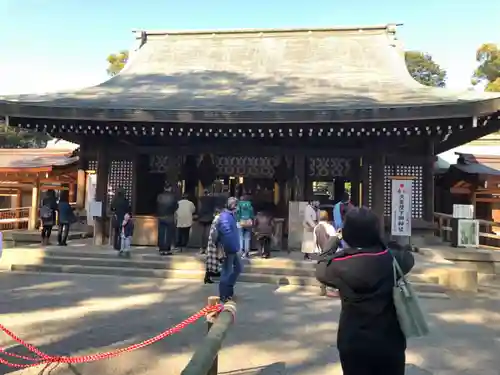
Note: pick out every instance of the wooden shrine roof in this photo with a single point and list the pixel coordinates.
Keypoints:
(35, 160)
(479, 164)
(296, 75)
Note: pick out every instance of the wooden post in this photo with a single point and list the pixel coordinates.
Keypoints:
(81, 186)
(365, 183)
(428, 181)
(355, 177)
(299, 169)
(81, 180)
(204, 359)
(35, 203)
(17, 205)
(213, 301)
(378, 184)
(135, 182)
(101, 195)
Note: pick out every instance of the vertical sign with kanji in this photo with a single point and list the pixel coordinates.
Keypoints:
(401, 207)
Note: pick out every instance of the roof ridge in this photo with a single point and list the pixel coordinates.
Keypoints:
(390, 27)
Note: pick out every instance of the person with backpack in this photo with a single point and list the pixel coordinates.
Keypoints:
(245, 216)
(48, 215)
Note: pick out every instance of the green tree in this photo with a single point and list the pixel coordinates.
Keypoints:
(116, 62)
(425, 70)
(488, 71)
(19, 138)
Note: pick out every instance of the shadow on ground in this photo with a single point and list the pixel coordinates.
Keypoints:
(277, 331)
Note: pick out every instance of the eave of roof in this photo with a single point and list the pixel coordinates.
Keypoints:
(293, 75)
(34, 160)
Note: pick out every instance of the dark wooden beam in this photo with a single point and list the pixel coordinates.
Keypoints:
(468, 134)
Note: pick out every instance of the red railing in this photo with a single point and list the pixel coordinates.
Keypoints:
(14, 218)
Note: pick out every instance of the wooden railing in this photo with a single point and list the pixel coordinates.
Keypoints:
(205, 359)
(14, 218)
(487, 229)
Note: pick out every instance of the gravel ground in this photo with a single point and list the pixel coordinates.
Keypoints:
(277, 330)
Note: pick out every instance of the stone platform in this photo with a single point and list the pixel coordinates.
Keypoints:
(485, 261)
(283, 269)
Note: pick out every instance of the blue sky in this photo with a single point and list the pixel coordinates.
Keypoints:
(49, 45)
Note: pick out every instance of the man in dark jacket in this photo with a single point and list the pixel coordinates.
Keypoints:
(167, 204)
(229, 238)
(206, 211)
(119, 206)
(369, 339)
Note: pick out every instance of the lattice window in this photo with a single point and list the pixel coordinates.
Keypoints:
(92, 165)
(120, 175)
(370, 186)
(415, 171)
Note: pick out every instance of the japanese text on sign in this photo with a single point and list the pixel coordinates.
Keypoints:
(401, 207)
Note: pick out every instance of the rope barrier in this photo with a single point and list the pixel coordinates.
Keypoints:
(44, 358)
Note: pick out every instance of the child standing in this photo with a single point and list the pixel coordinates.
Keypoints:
(126, 233)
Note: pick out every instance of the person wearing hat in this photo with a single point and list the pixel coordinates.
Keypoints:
(229, 239)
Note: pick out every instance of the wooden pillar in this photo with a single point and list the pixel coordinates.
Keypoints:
(72, 191)
(135, 182)
(101, 195)
(299, 169)
(81, 183)
(428, 181)
(365, 182)
(378, 188)
(17, 205)
(355, 177)
(35, 204)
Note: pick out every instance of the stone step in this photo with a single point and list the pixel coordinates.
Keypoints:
(280, 280)
(185, 260)
(447, 275)
(271, 267)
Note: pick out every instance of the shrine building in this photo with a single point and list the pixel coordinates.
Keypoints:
(286, 115)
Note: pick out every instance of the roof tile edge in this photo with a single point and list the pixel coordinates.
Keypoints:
(389, 28)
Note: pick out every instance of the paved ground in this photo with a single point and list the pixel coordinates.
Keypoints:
(277, 331)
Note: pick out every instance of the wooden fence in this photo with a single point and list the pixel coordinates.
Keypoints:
(14, 218)
(487, 230)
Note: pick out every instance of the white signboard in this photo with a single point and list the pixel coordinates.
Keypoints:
(95, 209)
(401, 207)
(463, 211)
(91, 187)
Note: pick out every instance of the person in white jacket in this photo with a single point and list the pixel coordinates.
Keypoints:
(184, 218)
(309, 221)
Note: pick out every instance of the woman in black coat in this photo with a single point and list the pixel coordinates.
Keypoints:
(369, 340)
